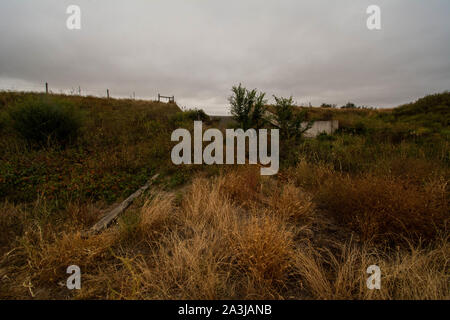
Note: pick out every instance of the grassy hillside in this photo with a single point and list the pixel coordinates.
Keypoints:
(376, 192)
(122, 142)
(431, 111)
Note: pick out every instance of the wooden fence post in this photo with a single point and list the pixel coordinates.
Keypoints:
(46, 87)
(107, 93)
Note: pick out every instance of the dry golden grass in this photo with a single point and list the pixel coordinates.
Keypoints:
(416, 273)
(243, 186)
(236, 236)
(379, 207)
(263, 249)
(292, 204)
(11, 223)
(387, 208)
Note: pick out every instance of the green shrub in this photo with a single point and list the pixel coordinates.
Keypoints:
(196, 115)
(289, 120)
(186, 119)
(43, 121)
(247, 107)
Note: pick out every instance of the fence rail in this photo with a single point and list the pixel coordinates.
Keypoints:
(171, 99)
(78, 91)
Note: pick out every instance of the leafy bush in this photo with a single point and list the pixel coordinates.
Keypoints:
(42, 120)
(196, 115)
(289, 121)
(247, 107)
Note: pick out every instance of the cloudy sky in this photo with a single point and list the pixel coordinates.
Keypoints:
(316, 50)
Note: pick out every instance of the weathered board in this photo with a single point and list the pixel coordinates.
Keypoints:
(112, 216)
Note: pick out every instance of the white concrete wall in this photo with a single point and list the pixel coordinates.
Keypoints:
(318, 127)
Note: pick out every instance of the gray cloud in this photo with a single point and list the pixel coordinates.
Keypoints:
(318, 51)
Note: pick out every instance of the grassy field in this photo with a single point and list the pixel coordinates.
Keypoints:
(374, 193)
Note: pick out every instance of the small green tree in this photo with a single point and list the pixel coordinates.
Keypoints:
(258, 111)
(247, 107)
(290, 121)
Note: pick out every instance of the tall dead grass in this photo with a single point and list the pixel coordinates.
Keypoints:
(418, 273)
(225, 246)
(386, 208)
(236, 236)
(380, 207)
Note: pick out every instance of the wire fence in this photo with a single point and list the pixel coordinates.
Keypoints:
(78, 91)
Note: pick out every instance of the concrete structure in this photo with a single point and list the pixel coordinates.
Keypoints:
(318, 127)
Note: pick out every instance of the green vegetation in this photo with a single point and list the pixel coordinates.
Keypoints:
(375, 192)
(44, 121)
(120, 144)
(247, 107)
(289, 121)
(431, 111)
(190, 115)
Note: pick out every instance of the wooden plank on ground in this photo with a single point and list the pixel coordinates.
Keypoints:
(110, 217)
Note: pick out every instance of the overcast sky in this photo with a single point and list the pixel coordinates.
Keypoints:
(316, 50)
